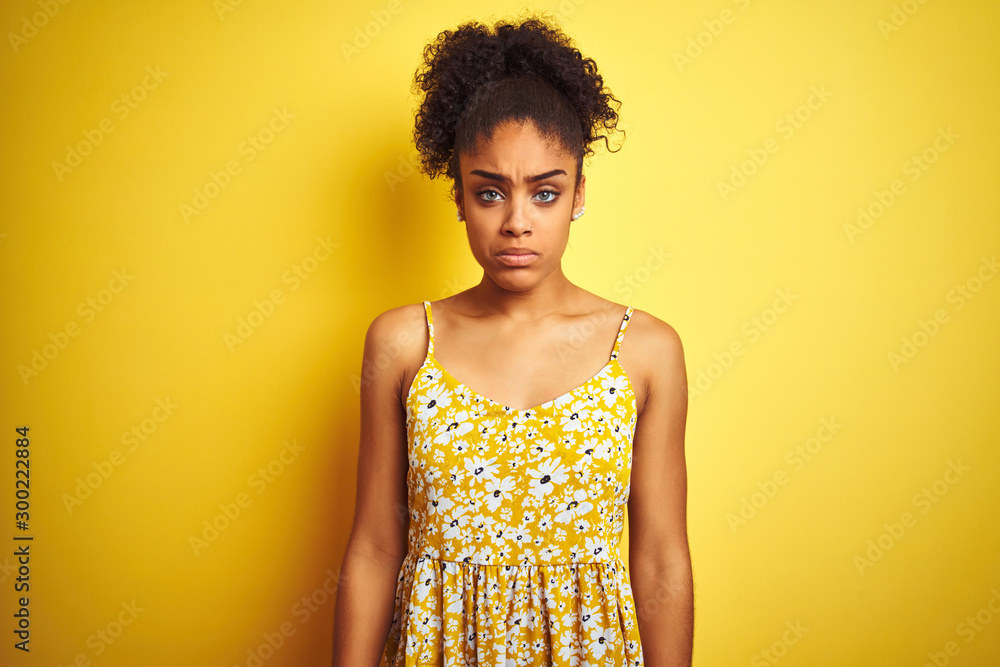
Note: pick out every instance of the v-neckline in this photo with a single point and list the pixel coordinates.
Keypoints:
(445, 372)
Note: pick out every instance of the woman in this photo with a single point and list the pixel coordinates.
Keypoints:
(489, 514)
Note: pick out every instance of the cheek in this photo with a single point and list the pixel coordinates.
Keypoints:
(477, 241)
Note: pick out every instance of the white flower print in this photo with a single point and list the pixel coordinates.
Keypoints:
(597, 547)
(588, 428)
(454, 601)
(499, 533)
(571, 417)
(545, 476)
(435, 397)
(521, 536)
(467, 554)
(543, 448)
(578, 505)
(516, 425)
(498, 491)
(455, 521)
(605, 641)
(452, 428)
(591, 619)
(482, 469)
(437, 501)
(613, 386)
(570, 650)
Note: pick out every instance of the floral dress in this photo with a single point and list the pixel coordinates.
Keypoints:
(516, 517)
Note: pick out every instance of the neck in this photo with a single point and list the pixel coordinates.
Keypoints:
(535, 302)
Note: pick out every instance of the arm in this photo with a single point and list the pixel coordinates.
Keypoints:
(659, 557)
(378, 541)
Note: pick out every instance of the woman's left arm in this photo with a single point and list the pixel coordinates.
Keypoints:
(659, 557)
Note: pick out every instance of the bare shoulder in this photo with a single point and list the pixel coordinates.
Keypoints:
(654, 349)
(399, 324)
(652, 336)
(396, 342)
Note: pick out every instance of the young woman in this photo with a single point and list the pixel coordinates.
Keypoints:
(506, 428)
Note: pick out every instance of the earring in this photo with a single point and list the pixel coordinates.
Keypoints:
(458, 214)
(576, 216)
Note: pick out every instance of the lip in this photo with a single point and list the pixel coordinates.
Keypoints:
(517, 256)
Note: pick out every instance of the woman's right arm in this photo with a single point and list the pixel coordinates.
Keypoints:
(378, 541)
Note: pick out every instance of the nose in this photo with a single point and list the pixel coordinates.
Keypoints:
(516, 222)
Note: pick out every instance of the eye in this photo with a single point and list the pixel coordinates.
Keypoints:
(552, 195)
(488, 191)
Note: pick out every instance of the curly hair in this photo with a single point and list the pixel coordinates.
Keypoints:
(475, 78)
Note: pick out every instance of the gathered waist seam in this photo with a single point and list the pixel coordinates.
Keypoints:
(418, 556)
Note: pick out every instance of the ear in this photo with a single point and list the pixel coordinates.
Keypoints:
(578, 197)
(459, 197)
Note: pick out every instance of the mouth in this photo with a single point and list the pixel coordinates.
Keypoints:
(517, 256)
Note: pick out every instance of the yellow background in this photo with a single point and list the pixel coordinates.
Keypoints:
(340, 170)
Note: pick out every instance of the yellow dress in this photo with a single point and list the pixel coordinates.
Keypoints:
(516, 517)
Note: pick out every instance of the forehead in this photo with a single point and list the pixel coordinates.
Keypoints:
(515, 148)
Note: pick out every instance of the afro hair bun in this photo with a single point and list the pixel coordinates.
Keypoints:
(459, 63)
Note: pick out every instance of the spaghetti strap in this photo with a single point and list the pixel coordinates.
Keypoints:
(621, 331)
(430, 327)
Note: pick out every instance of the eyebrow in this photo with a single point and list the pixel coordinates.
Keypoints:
(504, 179)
